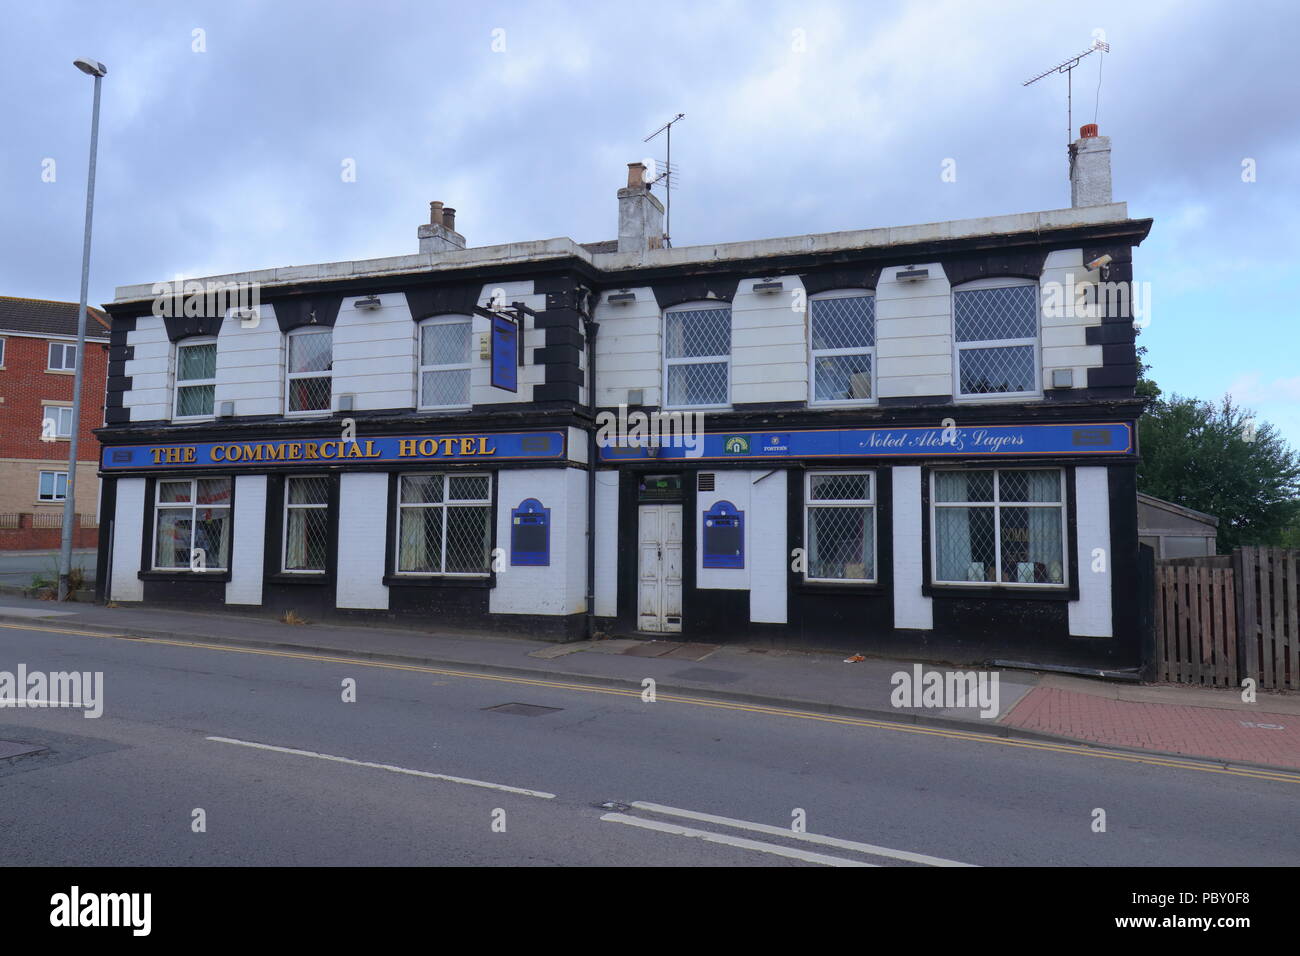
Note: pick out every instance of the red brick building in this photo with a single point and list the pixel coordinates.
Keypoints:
(38, 345)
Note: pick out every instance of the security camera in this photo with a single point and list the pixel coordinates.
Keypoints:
(1100, 262)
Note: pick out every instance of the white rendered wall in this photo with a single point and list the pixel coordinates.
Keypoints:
(913, 334)
(912, 609)
(375, 354)
(128, 529)
(1090, 616)
(249, 541)
(557, 588)
(149, 398)
(769, 352)
(733, 486)
(607, 543)
(250, 365)
(770, 550)
(363, 505)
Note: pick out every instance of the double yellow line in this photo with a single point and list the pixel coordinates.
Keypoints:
(762, 709)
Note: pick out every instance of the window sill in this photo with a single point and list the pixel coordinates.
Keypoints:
(847, 587)
(60, 371)
(301, 577)
(438, 581)
(981, 591)
(183, 575)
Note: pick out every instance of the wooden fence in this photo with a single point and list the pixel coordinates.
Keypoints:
(1221, 619)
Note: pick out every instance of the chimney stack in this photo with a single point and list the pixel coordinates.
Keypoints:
(440, 234)
(1090, 168)
(640, 215)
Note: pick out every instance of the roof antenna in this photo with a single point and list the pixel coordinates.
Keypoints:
(668, 177)
(1066, 67)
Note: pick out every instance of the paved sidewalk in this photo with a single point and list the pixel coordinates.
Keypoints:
(1164, 719)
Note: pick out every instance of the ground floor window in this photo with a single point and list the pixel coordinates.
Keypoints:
(1003, 526)
(444, 524)
(53, 486)
(192, 524)
(840, 526)
(306, 524)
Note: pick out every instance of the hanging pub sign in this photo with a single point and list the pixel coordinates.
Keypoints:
(505, 353)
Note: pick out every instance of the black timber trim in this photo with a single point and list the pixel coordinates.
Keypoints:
(296, 311)
(1019, 263)
(695, 289)
(451, 298)
(828, 280)
(188, 326)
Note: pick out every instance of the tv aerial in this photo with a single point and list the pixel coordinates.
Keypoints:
(1067, 67)
(668, 176)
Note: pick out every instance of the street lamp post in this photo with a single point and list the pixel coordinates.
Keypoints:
(97, 70)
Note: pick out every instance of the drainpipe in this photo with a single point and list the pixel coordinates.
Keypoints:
(591, 327)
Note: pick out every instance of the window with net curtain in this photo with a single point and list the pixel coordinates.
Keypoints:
(1002, 527)
(840, 526)
(306, 524)
(310, 370)
(196, 378)
(444, 524)
(842, 339)
(192, 513)
(697, 355)
(445, 362)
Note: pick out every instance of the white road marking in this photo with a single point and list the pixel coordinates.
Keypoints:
(791, 835)
(740, 842)
(389, 767)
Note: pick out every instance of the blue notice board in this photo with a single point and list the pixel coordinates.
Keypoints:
(530, 534)
(505, 354)
(724, 536)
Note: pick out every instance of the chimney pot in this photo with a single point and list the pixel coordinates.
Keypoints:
(1088, 131)
(449, 218)
(635, 175)
(435, 213)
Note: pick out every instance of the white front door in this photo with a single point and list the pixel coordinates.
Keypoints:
(659, 573)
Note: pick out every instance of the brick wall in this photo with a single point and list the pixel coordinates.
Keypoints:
(25, 384)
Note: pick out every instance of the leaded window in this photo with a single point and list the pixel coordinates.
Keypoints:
(842, 339)
(445, 362)
(840, 526)
(309, 377)
(306, 524)
(1000, 527)
(697, 355)
(444, 524)
(996, 331)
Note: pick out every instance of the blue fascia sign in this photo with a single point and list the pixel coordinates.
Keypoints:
(478, 448)
(964, 441)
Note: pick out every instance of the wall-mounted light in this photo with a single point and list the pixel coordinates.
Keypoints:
(369, 302)
(912, 275)
(622, 298)
(768, 286)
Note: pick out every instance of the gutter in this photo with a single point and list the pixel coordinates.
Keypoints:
(591, 327)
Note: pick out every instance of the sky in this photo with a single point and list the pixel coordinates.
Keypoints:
(248, 135)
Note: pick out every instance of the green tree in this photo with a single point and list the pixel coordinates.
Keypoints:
(1217, 459)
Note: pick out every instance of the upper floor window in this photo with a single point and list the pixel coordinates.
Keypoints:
(1003, 526)
(444, 362)
(53, 486)
(196, 378)
(842, 338)
(840, 526)
(56, 421)
(995, 324)
(697, 355)
(309, 376)
(63, 357)
(192, 524)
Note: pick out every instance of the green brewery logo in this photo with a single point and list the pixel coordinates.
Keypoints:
(736, 445)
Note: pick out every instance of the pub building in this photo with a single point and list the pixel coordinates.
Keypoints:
(916, 440)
